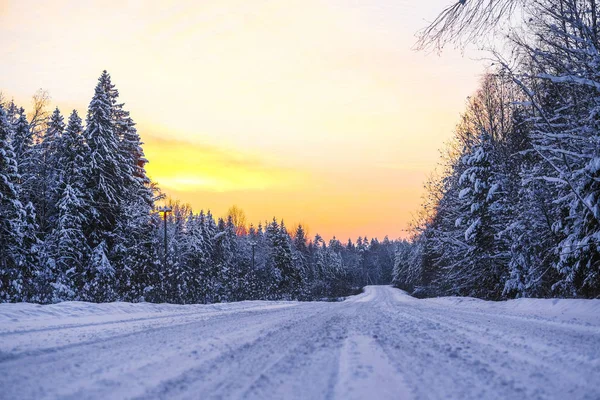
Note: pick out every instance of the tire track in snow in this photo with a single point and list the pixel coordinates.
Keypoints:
(478, 360)
(381, 343)
(365, 369)
(244, 370)
(29, 342)
(132, 360)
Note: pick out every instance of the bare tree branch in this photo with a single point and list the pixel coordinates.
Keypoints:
(464, 22)
(39, 113)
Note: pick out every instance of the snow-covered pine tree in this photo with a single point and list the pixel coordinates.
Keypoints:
(291, 277)
(271, 275)
(233, 271)
(318, 265)
(13, 277)
(223, 259)
(176, 279)
(68, 252)
(71, 250)
(194, 258)
(404, 260)
(336, 276)
(204, 248)
(22, 138)
(134, 254)
(386, 259)
(248, 247)
(483, 270)
(209, 233)
(46, 185)
(99, 285)
(43, 191)
(24, 152)
(351, 263)
(300, 259)
(579, 263)
(531, 268)
(362, 248)
(36, 281)
(245, 273)
(106, 174)
(260, 278)
(12, 113)
(372, 262)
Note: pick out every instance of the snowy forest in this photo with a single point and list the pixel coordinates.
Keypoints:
(78, 221)
(514, 210)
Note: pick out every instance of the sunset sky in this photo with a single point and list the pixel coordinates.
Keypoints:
(317, 112)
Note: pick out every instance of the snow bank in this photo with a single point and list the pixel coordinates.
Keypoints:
(584, 310)
(76, 310)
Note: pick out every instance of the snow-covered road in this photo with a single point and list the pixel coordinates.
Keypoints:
(378, 345)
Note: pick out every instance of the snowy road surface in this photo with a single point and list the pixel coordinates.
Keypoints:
(381, 344)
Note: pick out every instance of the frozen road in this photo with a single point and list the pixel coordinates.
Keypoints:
(381, 344)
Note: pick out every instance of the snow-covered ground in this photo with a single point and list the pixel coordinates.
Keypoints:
(381, 344)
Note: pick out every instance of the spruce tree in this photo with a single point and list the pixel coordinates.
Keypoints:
(289, 276)
(22, 139)
(13, 277)
(104, 185)
(100, 277)
(70, 249)
(483, 272)
(300, 257)
(47, 181)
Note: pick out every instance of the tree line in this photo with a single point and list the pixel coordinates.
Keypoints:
(78, 222)
(515, 208)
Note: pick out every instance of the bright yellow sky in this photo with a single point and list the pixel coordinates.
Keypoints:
(313, 111)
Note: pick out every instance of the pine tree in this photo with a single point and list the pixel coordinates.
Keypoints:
(13, 277)
(72, 252)
(12, 113)
(35, 281)
(47, 168)
(106, 175)
(69, 249)
(195, 258)
(226, 251)
(176, 277)
(209, 233)
(22, 139)
(271, 273)
(134, 230)
(300, 258)
(261, 276)
(106, 172)
(100, 276)
(579, 262)
(483, 271)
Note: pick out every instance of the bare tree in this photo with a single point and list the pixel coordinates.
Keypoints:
(39, 114)
(238, 217)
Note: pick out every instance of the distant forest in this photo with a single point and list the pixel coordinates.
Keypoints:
(78, 222)
(514, 210)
